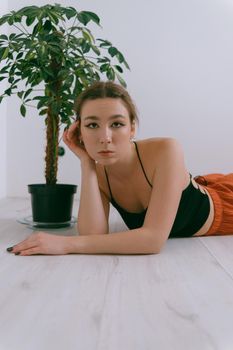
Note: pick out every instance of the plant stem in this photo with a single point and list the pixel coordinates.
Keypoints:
(51, 157)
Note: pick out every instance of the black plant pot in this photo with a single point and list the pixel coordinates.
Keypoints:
(52, 204)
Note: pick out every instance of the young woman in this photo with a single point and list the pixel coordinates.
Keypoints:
(146, 181)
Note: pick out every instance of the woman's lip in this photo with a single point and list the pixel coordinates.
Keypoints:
(105, 153)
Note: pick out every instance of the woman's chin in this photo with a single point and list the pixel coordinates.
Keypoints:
(104, 162)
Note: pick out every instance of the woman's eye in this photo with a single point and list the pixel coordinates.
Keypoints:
(91, 126)
(117, 124)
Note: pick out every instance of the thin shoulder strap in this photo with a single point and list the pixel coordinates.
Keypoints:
(142, 164)
(106, 174)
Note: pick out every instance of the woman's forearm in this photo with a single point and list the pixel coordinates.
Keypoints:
(138, 241)
(91, 215)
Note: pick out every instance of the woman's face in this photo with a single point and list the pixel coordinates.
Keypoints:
(106, 129)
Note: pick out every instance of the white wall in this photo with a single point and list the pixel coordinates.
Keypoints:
(181, 58)
(3, 120)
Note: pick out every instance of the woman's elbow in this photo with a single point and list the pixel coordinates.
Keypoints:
(154, 249)
(155, 245)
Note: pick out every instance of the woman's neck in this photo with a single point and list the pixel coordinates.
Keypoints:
(125, 166)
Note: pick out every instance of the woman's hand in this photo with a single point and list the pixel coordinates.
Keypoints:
(71, 138)
(42, 243)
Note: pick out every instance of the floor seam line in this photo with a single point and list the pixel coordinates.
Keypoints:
(214, 256)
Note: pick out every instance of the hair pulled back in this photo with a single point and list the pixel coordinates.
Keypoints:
(103, 89)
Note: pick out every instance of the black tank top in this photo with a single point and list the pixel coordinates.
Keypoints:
(192, 213)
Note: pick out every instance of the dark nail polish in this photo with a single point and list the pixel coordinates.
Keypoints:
(10, 249)
(17, 253)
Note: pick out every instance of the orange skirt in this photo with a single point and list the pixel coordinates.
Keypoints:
(220, 188)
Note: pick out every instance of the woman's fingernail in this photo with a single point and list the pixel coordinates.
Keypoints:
(17, 253)
(10, 249)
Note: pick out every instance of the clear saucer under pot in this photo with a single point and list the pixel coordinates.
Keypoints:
(28, 221)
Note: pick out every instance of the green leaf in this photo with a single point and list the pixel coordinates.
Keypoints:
(104, 67)
(63, 73)
(87, 16)
(20, 94)
(126, 64)
(20, 55)
(27, 93)
(10, 56)
(30, 20)
(84, 80)
(85, 47)
(3, 37)
(4, 19)
(113, 51)
(19, 36)
(23, 110)
(54, 49)
(88, 35)
(15, 82)
(41, 103)
(4, 53)
(95, 49)
(48, 26)
(118, 68)
(10, 79)
(120, 57)
(104, 43)
(12, 36)
(43, 111)
(121, 80)
(4, 69)
(8, 91)
(37, 28)
(103, 60)
(69, 80)
(92, 17)
(31, 11)
(110, 74)
(54, 17)
(10, 20)
(17, 18)
(83, 18)
(70, 12)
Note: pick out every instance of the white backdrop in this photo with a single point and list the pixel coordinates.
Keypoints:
(181, 58)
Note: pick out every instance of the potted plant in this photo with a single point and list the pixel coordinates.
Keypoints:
(49, 58)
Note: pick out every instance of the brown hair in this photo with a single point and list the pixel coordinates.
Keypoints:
(103, 89)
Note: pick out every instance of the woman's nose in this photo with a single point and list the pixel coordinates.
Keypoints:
(106, 137)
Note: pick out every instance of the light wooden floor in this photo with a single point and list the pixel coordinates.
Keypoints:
(181, 299)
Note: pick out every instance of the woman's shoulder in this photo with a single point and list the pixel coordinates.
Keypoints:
(149, 151)
(156, 144)
(153, 150)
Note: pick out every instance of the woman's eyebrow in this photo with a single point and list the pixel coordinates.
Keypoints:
(93, 117)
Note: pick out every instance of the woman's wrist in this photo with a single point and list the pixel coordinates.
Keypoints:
(74, 244)
(87, 163)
